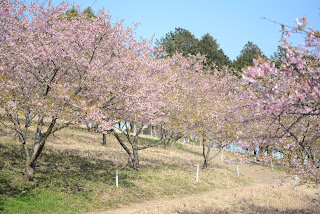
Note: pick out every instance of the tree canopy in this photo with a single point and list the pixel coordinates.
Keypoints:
(184, 42)
(249, 52)
(209, 47)
(180, 41)
(73, 12)
(278, 56)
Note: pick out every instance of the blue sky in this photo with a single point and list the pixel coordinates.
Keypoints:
(231, 22)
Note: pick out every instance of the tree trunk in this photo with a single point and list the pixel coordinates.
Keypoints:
(256, 153)
(134, 157)
(175, 139)
(205, 154)
(104, 139)
(39, 142)
(167, 142)
(29, 172)
(135, 160)
(205, 163)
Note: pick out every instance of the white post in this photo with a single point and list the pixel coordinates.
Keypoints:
(197, 175)
(221, 160)
(295, 182)
(271, 164)
(238, 169)
(117, 178)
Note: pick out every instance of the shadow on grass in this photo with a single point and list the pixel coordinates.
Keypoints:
(7, 188)
(252, 208)
(187, 150)
(245, 206)
(70, 173)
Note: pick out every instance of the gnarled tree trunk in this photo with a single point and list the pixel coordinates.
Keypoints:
(133, 141)
(205, 153)
(39, 137)
(29, 171)
(135, 159)
(206, 149)
(39, 142)
(104, 139)
(133, 155)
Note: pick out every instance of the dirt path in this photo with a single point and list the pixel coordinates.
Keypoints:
(263, 196)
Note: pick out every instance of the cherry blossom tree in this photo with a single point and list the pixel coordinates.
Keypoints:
(219, 122)
(182, 89)
(289, 95)
(140, 106)
(55, 71)
(151, 100)
(205, 104)
(227, 107)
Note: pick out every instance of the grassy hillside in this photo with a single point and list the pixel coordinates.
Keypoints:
(76, 173)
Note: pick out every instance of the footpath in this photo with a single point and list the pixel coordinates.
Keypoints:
(264, 195)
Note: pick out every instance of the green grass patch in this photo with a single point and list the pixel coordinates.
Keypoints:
(46, 201)
(179, 145)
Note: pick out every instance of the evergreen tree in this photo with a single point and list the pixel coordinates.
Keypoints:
(214, 55)
(249, 52)
(276, 58)
(89, 12)
(71, 13)
(181, 41)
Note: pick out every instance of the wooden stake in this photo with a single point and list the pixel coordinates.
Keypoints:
(117, 178)
(197, 175)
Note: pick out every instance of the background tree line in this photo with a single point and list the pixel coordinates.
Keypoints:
(183, 41)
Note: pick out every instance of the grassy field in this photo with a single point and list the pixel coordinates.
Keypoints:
(76, 174)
